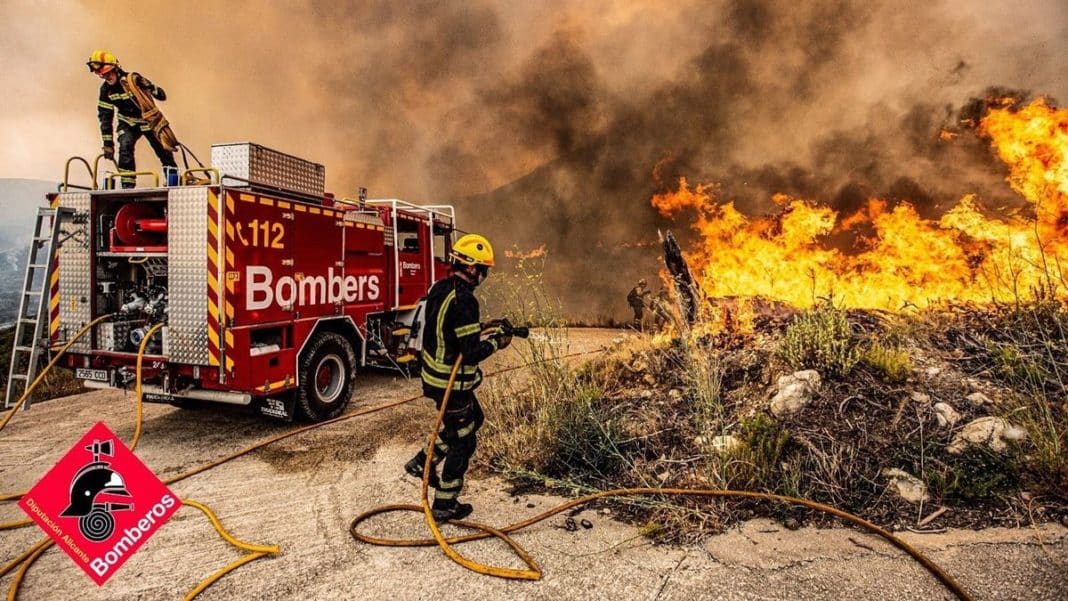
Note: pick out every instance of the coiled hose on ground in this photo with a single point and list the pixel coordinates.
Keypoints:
(30, 555)
(533, 572)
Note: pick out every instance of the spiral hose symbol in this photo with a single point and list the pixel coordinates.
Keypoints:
(97, 525)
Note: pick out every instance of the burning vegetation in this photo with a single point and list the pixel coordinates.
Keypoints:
(911, 370)
(885, 256)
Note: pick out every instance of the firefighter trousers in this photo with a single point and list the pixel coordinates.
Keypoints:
(638, 314)
(128, 137)
(455, 444)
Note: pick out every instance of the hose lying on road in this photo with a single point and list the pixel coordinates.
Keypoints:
(533, 572)
(30, 555)
(44, 372)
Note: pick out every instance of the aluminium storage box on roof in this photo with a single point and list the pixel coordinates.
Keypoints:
(262, 165)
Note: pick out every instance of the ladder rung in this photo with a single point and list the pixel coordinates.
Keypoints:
(23, 349)
(37, 292)
(22, 377)
(40, 238)
(38, 265)
(28, 320)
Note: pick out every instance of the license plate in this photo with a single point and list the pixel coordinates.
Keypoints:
(155, 397)
(96, 375)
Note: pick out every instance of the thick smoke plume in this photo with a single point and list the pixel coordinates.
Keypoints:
(554, 123)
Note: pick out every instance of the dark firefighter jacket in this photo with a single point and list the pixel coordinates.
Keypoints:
(452, 327)
(634, 298)
(115, 99)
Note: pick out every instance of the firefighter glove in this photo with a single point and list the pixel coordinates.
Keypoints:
(109, 152)
(503, 340)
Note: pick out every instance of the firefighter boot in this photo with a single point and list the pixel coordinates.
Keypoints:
(414, 468)
(444, 512)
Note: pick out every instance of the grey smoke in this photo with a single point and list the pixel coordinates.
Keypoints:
(554, 122)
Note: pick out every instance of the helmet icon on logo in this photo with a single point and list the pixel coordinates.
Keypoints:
(93, 480)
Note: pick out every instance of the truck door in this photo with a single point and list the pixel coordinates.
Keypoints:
(413, 258)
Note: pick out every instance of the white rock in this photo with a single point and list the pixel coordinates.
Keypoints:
(649, 379)
(933, 371)
(646, 394)
(674, 394)
(946, 414)
(795, 391)
(725, 443)
(909, 487)
(985, 431)
(1014, 433)
(979, 399)
(921, 398)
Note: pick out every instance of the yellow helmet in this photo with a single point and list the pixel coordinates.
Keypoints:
(102, 61)
(472, 249)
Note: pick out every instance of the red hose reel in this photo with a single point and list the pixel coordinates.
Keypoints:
(139, 227)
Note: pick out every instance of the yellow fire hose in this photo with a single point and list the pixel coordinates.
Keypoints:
(534, 572)
(40, 377)
(27, 558)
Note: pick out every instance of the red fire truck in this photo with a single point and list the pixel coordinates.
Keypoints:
(273, 292)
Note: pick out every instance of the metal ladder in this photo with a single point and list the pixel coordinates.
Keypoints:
(30, 341)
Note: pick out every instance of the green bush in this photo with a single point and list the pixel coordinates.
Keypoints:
(977, 474)
(821, 339)
(755, 465)
(893, 365)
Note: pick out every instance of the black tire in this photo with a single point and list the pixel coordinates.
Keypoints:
(189, 404)
(326, 375)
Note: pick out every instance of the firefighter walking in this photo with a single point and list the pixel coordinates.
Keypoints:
(637, 303)
(119, 98)
(453, 328)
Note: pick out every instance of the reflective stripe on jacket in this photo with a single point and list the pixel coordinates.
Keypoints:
(115, 99)
(452, 327)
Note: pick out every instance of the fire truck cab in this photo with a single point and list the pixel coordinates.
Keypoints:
(273, 293)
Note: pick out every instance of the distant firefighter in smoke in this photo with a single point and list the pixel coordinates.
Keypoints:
(634, 299)
(661, 308)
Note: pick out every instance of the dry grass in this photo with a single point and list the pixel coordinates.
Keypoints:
(59, 381)
(692, 411)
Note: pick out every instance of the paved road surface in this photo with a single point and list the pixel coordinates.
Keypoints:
(302, 493)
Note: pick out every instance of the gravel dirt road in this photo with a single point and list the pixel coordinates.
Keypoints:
(302, 493)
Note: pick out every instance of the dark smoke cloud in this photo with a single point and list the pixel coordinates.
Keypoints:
(816, 100)
(554, 122)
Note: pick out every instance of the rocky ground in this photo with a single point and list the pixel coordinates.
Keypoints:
(302, 493)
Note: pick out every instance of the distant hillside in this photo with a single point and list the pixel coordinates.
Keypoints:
(19, 199)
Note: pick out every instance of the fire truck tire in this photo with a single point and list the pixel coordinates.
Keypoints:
(188, 403)
(327, 372)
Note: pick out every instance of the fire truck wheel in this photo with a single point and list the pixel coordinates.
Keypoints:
(188, 403)
(327, 369)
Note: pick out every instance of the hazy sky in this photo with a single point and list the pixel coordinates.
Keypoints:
(423, 99)
(556, 119)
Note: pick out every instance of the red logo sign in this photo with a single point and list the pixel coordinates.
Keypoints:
(100, 503)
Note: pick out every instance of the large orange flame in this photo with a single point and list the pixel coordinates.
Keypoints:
(902, 259)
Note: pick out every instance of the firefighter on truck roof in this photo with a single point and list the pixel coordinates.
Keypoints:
(116, 97)
(453, 328)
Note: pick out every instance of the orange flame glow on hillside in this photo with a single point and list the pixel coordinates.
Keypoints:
(900, 258)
